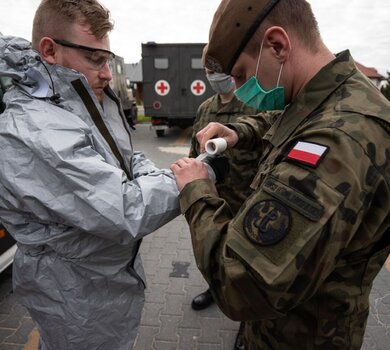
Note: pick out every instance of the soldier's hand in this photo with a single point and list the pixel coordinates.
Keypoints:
(213, 130)
(187, 170)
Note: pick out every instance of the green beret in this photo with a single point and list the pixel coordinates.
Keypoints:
(234, 23)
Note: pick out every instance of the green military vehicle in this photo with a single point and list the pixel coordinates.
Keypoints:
(125, 94)
(174, 84)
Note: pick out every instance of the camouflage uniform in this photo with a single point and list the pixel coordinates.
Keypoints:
(298, 260)
(243, 164)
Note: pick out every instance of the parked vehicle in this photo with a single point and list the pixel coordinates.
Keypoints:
(119, 85)
(5, 83)
(7, 243)
(7, 249)
(174, 84)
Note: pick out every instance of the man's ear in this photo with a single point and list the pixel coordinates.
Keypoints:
(48, 50)
(278, 40)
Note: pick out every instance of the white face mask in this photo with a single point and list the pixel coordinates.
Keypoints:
(221, 83)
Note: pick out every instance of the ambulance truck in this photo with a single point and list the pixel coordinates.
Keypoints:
(174, 84)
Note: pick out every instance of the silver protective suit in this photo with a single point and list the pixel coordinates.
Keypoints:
(77, 218)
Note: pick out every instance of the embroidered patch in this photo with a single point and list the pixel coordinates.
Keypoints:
(267, 222)
(295, 200)
(308, 153)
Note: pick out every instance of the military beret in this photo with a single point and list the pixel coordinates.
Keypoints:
(234, 23)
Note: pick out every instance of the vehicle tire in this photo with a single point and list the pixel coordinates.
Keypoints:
(160, 133)
(134, 114)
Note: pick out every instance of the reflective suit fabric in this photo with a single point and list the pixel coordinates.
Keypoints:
(77, 218)
(308, 288)
(243, 164)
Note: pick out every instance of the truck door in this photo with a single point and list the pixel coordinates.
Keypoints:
(193, 88)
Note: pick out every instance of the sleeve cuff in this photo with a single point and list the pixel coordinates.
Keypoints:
(245, 135)
(194, 191)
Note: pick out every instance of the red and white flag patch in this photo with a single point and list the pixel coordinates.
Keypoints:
(308, 153)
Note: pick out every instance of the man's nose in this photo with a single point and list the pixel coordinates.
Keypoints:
(105, 73)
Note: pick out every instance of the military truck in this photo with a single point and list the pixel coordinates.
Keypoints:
(174, 84)
(119, 85)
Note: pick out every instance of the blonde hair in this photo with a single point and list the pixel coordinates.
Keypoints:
(53, 18)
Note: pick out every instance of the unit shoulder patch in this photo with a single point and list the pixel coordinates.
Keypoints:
(267, 222)
(308, 153)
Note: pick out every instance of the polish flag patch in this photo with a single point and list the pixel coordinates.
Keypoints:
(308, 153)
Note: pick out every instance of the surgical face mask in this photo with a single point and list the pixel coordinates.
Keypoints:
(253, 95)
(221, 83)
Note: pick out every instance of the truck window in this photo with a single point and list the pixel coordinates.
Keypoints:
(196, 63)
(161, 63)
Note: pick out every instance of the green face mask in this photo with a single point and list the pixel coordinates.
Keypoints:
(253, 95)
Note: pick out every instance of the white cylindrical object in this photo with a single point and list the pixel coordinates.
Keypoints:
(216, 146)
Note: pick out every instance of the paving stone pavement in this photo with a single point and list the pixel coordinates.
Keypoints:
(168, 322)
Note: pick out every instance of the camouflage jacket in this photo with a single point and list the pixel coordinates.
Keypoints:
(298, 260)
(243, 164)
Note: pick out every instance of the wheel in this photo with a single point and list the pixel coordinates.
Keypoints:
(160, 133)
(134, 114)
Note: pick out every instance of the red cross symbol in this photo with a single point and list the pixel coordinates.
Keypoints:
(198, 87)
(162, 87)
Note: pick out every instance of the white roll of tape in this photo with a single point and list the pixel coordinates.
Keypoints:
(216, 146)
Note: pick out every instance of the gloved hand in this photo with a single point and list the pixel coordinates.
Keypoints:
(217, 166)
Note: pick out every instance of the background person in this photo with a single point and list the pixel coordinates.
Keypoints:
(224, 107)
(298, 261)
(73, 193)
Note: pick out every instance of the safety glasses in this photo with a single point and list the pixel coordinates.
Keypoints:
(96, 58)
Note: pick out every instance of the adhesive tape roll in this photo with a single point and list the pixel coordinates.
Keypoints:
(216, 146)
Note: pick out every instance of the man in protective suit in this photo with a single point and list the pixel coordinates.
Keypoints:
(73, 193)
(298, 260)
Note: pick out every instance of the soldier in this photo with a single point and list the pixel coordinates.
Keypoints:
(298, 260)
(224, 107)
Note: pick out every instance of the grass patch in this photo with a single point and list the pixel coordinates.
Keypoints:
(143, 119)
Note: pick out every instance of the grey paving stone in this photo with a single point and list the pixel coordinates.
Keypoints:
(380, 338)
(22, 333)
(188, 338)
(169, 248)
(209, 347)
(13, 319)
(155, 292)
(173, 305)
(209, 331)
(176, 286)
(228, 324)
(164, 345)
(168, 329)
(6, 346)
(190, 318)
(166, 260)
(151, 313)
(145, 338)
(5, 333)
(162, 277)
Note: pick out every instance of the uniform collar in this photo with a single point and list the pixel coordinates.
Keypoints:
(316, 91)
(217, 107)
